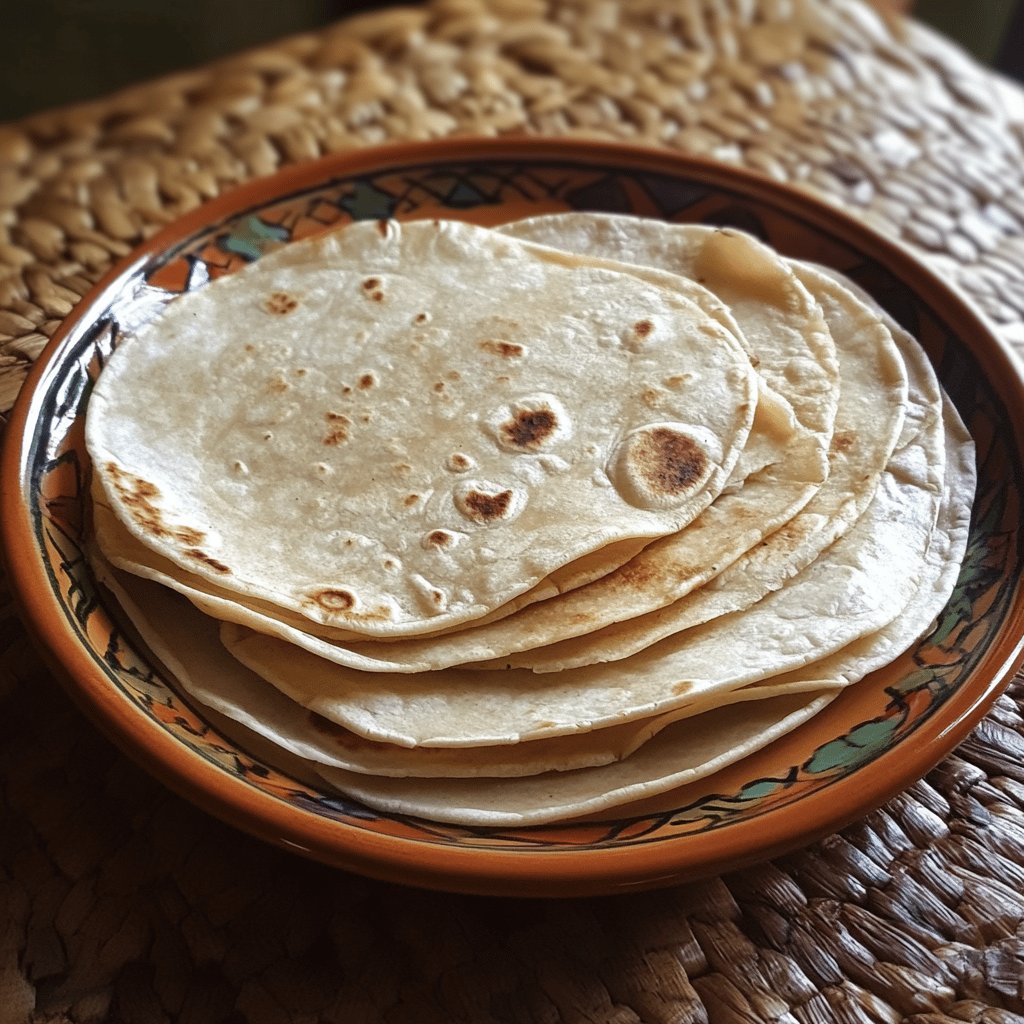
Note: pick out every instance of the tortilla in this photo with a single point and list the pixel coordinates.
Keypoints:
(514, 441)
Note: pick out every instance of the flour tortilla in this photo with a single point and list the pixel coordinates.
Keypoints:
(681, 753)
(298, 397)
(857, 586)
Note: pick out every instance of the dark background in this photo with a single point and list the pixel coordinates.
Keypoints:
(54, 52)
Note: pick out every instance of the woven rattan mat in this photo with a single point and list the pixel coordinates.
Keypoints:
(120, 902)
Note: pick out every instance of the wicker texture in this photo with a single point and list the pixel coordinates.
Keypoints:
(120, 902)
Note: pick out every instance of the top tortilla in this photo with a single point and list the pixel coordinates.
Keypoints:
(396, 428)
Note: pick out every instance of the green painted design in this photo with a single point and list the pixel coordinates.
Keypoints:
(761, 788)
(252, 238)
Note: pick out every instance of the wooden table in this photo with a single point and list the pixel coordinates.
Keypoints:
(120, 902)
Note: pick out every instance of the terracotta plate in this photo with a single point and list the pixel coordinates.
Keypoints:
(878, 737)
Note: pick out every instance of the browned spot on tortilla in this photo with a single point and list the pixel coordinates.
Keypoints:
(300, 371)
(454, 375)
(755, 361)
(137, 496)
(439, 386)
(484, 508)
(529, 429)
(651, 397)
(202, 556)
(334, 600)
(675, 380)
(508, 349)
(338, 432)
(402, 468)
(844, 441)
(642, 328)
(382, 228)
(421, 318)
(681, 687)
(390, 563)
(670, 462)
(278, 384)
(459, 461)
(371, 284)
(249, 347)
(502, 380)
(439, 539)
(377, 296)
(411, 499)
(437, 597)
(365, 418)
(281, 303)
(367, 381)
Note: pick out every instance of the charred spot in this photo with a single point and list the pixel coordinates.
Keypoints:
(506, 349)
(420, 318)
(390, 563)
(458, 461)
(371, 284)
(300, 371)
(410, 500)
(346, 390)
(365, 418)
(334, 600)
(338, 428)
(844, 441)
(249, 347)
(202, 556)
(377, 296)
(439, 386)
(367, 381)
(670, 462)
(483, 508)
(437, 597)
(642, 328)
(281, 303)
(439, 539)
(530, 428)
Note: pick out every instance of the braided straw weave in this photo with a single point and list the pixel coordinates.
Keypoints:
(119, 902)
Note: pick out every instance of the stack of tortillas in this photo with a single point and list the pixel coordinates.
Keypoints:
(511, 526)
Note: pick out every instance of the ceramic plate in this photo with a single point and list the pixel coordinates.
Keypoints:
(878, 737)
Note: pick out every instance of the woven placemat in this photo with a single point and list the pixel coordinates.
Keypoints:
(120, 902)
